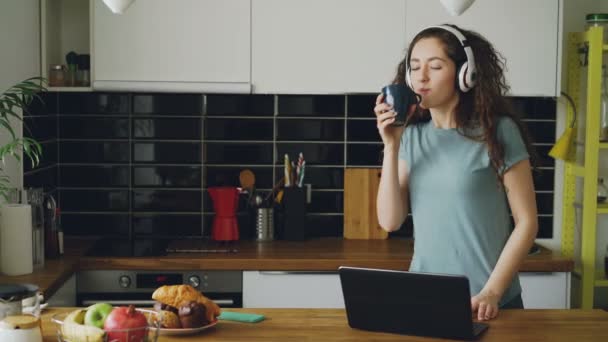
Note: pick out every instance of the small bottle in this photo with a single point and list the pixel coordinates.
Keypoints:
(602, 191)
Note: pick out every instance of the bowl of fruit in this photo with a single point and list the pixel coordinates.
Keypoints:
(102, 322)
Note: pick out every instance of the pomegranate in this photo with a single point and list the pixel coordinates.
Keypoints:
(125, 324)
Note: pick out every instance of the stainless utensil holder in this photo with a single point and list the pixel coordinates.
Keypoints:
(264, 224)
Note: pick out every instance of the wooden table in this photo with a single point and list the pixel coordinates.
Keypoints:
(331, 325)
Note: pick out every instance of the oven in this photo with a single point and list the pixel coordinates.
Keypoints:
(121, 288)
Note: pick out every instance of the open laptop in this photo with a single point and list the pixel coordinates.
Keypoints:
(409, 303)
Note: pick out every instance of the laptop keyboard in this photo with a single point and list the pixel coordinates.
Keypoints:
(478, 328)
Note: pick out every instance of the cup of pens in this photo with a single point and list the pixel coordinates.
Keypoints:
(294, 171)
(294, 199)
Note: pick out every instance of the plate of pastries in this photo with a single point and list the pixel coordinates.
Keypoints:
(183, 310)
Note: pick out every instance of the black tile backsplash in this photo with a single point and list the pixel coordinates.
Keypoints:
(364, 154)
(167, 200)
(40, 122)
(363, 130)
(168, 104)
(42, 178)
(240, 105)
(229, 176)
(361, 106)
(133, 164)
(95, 224)
(238, 153)
(41, 128)
(234, 129)
(47, 159)
(43, 104)
(167, 224)
(93, 128)
(310, 130)
(93, 103)
(93, 200)
(167, 152)
(94, 176)
(94, 152)
(167, 176)
(311, 105)
(167, 128)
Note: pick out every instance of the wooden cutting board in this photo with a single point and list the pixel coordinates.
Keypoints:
(360, 191)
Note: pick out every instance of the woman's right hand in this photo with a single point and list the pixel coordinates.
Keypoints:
(385, 116)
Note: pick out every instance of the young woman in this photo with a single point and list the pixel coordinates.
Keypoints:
(460, 163)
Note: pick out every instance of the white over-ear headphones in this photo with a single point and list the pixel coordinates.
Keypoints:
(466, 74)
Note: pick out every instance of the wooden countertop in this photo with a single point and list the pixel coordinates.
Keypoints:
(325, 254)
(331, 325)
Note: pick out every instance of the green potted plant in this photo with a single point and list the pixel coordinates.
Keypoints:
(13, 102)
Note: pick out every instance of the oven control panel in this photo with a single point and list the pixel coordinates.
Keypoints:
(110, 281)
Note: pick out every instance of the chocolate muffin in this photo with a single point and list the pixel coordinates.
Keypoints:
(192, 315)
(158, 306)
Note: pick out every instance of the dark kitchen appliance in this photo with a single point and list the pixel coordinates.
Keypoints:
(122, 287)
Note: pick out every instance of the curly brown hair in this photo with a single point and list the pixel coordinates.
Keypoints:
(483, 105)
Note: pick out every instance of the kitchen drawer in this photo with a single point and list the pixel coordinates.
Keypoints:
(545, 290)
(263, 289)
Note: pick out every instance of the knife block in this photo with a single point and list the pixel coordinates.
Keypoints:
(294, 214)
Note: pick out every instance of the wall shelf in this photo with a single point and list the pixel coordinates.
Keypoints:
(579, 235)
(74, 89)
(600, 278)
(64, 27)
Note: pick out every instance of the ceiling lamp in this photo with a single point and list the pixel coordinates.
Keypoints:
(118, 6)
(456, 7)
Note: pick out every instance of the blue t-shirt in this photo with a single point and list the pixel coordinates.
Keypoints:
(460, 213)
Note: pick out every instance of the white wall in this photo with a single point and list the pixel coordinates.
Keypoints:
(19, 59)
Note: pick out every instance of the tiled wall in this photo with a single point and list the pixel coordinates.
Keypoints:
(132, 164)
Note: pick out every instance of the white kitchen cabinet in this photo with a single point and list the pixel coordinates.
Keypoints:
(267, 289)
(291, 290)
(526, 33)
(177, 45)
(545, 290)
(325, 46)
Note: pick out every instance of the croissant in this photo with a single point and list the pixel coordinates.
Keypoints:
(178, 295)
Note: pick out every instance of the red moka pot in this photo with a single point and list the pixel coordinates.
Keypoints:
(225, 204)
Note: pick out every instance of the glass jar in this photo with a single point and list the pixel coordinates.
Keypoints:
(22, 328)
(598, 19)
(56, 75)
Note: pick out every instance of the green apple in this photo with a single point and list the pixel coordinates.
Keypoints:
(97, 313)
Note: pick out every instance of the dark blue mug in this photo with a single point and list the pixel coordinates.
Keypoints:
(401, 98)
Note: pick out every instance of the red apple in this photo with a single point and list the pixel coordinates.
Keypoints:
(126, 318)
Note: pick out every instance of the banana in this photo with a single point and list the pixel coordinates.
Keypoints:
(74, 330)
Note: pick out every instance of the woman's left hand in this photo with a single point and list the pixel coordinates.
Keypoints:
(485, 303)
